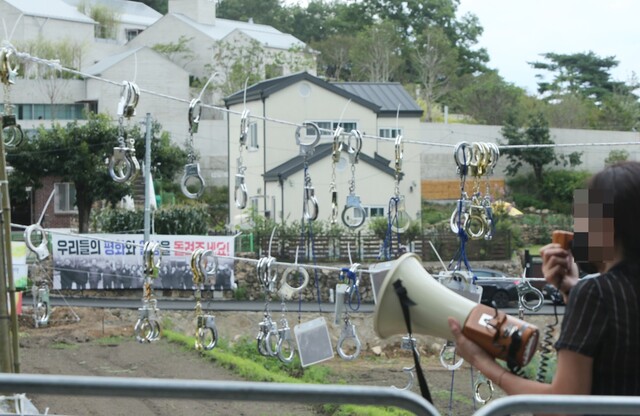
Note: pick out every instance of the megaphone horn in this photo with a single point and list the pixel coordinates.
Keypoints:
(501, 335)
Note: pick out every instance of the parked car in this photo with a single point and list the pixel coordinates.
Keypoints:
(495, 288)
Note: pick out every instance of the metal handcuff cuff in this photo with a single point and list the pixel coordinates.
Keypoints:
(525, 291)
(336, 149)
(286, 291)
(147, 328)
(204, 264)
(408, 344)
(192, 169)
(11, 131)
(267, 339)
(349, 330)
(447, 352)
(310, 204)
(492, 160)
(40, 293)
(397, 204)
(285, 348)
(353, 200)
(480, 384)
(240, 192)
(123, 165)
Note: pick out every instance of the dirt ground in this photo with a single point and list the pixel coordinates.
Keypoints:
(78, 348)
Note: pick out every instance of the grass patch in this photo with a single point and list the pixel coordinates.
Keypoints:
(63, 346)
(243, 359)
(110, 340)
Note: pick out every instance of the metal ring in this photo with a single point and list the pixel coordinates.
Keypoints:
(198, 278)
(353, 202)
(475, 233)
(202, 336)
(299, 138)
(348, 332)
(143, 330)
(271, 341)
(310, 209)
(154, 335)
(195, 112)
(443, 358)
(289, 347)
(478, 394)
(205, 265)
(41, 251)
(191, 171)
(286, 290)
(337, 145)
(402, 219)
(120, 166)
(354, 151)
(12, 135)
(462, 156)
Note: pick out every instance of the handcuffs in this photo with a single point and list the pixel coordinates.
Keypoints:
(336, 148)
(348, 333)
(409, 344)
(40, 292)
(240, 192)
(525, 290)
(267, 338)
(475, 214)
(147, 328)
(12, 133)
(191, 175)
(353, 201)
(41, 250)
(286, 291)
(310, 203)
(203, 264)
(401, 220)
(481, 384)
(123, 165)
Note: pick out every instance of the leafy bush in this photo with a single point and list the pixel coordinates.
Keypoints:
(555, 193)
(176, 219)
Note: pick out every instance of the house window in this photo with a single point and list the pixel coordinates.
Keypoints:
(327, 127)
(52, 111)
(131, 33)
(253, 136)
(373, 212)
(390, 133)
(65, 198)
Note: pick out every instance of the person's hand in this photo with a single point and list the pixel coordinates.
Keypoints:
(558, 268)
(467, 349)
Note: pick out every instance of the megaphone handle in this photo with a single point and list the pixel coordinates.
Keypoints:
(405, 302)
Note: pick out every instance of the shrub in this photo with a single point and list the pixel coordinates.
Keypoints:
(176, 219)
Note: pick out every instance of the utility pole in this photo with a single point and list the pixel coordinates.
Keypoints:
(9, 350)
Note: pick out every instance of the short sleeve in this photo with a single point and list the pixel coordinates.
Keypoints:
(584, 321)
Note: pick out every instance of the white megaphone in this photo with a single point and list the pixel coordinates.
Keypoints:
(501, 335)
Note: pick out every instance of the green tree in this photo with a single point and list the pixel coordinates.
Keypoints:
(619, 112)
(376, 53)
(435, 62)
(77, 153)
(334, 60)
(237, 63)
(616, 156)
(161, 6)
(266, 12)
(488, 98)
(536, 132)
(179, 52)
(584, 74)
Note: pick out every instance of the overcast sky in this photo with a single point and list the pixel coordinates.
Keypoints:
(517, 31)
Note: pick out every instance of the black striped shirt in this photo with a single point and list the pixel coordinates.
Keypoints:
(602, 321)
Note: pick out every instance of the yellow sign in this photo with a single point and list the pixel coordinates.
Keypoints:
(19, 260)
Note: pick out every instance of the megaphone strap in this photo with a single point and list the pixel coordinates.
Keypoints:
(405, 303)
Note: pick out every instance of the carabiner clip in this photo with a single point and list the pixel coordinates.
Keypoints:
(359, 213)
(286, 291)
(462, 154)
(151, 263)
(266, 275)
(206, 325)
(337, 145)
(353, 149)
(348, 333)
(310, 207)
(8, 73)
(41, 251)
(244, 127)
(198, 276)
(399, 153)
(195, 113)
(129, 96)
(121, 166)
(192, 171)
(240, 193)
(307, 149)
(334, 206)
(41, 304)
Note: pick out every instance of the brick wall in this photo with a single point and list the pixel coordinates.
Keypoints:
(51, 219)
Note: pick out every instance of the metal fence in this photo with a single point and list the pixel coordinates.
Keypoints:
(304, 393)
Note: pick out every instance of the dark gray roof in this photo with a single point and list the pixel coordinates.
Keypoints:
(266, 88)
(387, 95)
(296, 164)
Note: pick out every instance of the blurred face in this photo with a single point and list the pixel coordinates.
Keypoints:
(593, 240)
